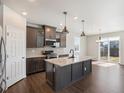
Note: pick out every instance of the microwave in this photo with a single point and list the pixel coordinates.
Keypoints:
(50, 42)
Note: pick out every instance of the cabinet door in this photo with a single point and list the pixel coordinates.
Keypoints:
(29, 66)
(31, 37)
(40, 38)
(35, 65)
(50, 32)
(63, 40)
(77, 71)
(50, 73)
(40, 65)
(63, 79)
(87, 67)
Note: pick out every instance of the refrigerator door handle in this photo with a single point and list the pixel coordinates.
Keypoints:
(0, 58)
(3, 68)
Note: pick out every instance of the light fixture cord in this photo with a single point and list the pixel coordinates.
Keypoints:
(83, 25)
(65, 19)
(100, 34)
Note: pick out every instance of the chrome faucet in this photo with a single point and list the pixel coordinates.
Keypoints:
(72, 50)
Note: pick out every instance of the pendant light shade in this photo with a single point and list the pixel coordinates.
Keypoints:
(65, 30)
(83, 34)
(99, 34)
(65, 27)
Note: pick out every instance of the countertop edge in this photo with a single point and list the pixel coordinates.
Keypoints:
(62, 65)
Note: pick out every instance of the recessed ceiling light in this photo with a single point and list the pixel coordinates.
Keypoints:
(31, 0)
(75, 17)
(24, 13)
(61, 24)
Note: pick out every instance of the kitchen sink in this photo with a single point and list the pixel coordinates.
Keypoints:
(70, 57)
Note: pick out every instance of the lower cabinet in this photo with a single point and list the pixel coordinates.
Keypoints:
(87, 67)
(77, 70)
(34, 65)
(50, 74)
(62, 77)
(59, 77)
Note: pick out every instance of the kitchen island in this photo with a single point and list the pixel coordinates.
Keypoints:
(61, 72)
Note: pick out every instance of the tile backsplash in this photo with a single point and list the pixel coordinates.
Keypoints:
(38, 51)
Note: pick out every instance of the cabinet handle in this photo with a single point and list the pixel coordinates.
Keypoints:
(85, 68)
(23, 57)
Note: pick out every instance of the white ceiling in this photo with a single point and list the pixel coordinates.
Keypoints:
(107, 15)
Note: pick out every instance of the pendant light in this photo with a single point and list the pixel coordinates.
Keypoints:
(65, 27)
(99, 37)
(83, 34)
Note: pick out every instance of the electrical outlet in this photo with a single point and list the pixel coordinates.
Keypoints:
(85, 68)
(33, 51)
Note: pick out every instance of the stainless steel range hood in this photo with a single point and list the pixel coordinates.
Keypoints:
(54, 40)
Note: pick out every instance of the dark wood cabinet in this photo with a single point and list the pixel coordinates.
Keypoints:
(50, 74)
(38, 37)
(61, 38)
(55, 79)
(87, 67)
(35, 37)
(34, 65)
(77, 71)
(63, 79)
(58, 77)
(31, 37)
(50, 35)
(50, 32)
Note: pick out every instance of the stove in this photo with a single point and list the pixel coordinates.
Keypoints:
(49, 54)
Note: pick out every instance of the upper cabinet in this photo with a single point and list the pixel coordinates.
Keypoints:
(35, 37)
(38, 37)
(50, 32)
(50, 35)
(61, 39)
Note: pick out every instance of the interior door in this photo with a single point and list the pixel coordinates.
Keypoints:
(16, 54)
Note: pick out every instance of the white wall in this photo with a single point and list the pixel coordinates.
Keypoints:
(92, 46)
(83, 46)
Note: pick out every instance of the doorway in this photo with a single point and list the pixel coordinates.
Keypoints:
(109, 49)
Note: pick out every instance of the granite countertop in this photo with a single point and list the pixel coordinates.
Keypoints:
(34, 56)
(67, 61)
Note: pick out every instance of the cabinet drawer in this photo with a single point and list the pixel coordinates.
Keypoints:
(34, 65)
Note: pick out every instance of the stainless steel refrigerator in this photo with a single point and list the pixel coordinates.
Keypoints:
(2, 63)
(2, 53)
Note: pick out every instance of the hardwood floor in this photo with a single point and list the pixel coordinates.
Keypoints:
(105, 78)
